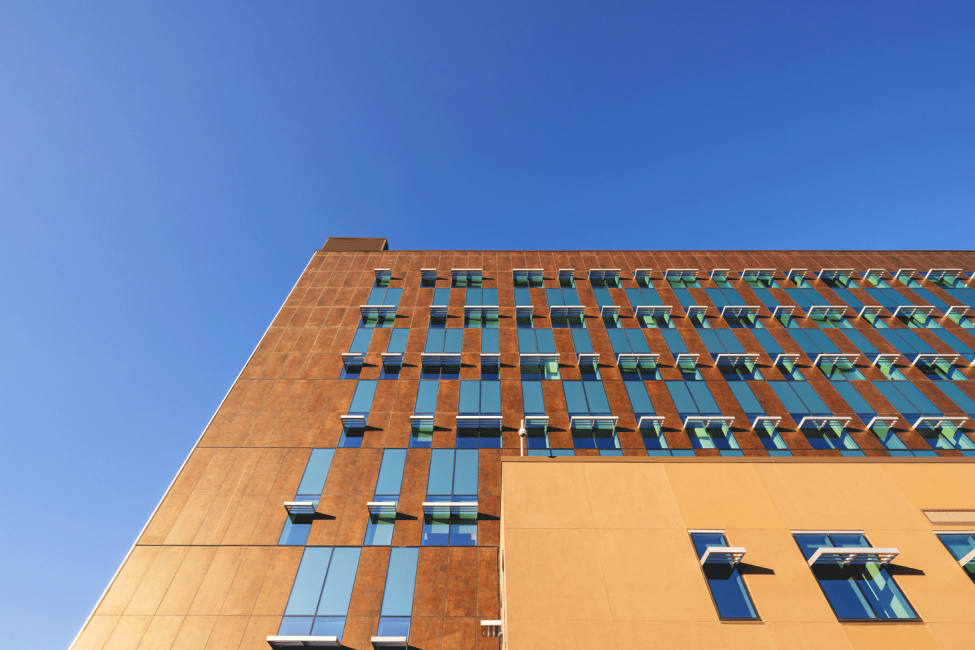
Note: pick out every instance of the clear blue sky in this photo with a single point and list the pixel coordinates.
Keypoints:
(167, 169)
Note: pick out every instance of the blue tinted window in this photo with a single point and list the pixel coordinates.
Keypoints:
(768, 342)
(441, 297)
(441, 478)
(365, 390)
(337, 591)
(596, 396)
(639, 398)
(360, 343)
(490, 342)
(582, 342)
(307, 587)
(426, 396)
(316, 471)
(490, 397)
(532, 397)
(397, 340)
(746, 398)
(391, 471)
(853, 397)
(674, 342)
(400, 582)
(724, 580)
(465, 472)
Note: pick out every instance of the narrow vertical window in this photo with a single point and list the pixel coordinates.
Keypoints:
(720, 564)
(383, 507)
(397, 608)
(319, 601)
(301, 511)
(450, 510)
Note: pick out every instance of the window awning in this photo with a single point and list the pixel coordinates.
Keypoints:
(719, 274)
(612, 310)
(428, 274)
(910, 311)
(438, 311)
(708, 421)
(466, 273)
(353, 420)
(422, 419)
(680, 274)
(479, 422)
(823, 421)
(739, 311)
(734, 359)
(650, 421)
(440, 358)
(377, 310)
(389, 642)
(852, 555)
(538, 358)
(300, 507)
(686, 359)
(940, 274)
(593, 421)
(588, 357)
(960, 310)
(783, 309)
(836, 359)
(536, 421)
(889, 420)
(757, 274)
(786, 357)
(796, 273)
(872, 310)
(642, 274)
(524, 311)
(481, 310)
(874, 273)
(353, 358)
(936, 422)
(383, 273)
(643, 361)
(832, 274)
(381, 507)
(654, 310)
(450, 507)
(826, 311)
(566, 274)
(696, 310)
(491, 629)
(490, 358)
(722, 554)
(524, 274)
(891, 358)
(565, 311)
(908, 273)
(604, 274)
(935, 359)
(766, 419)
(392, 358)
(303, 642)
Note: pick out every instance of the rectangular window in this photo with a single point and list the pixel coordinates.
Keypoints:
(880, 426)
(321, 593)
(786, 363)
(424, 413)
(380, 307)
(450, 511)
(766, 427)
(937, 429)
(481, 308)
(608, 310)
(719, 562)
(733, 308)
(298, 524)
(490, 355)
(393, 357)
(428, 278)
(354, 423)
(760, 278)
(527, 277)
(397, 608)
(633, 356)
(588, 359)
(856, 584)
(593, 424)
(822, 429)
(439, 308)
(479, 415)
(649, 423)
(604, 277)
(683, 360)
(703, 421)
(837, 277)
(382, 509)
(536, 420)
(524, 311)
(648, 307)
(353, 360)
(538, 357)
(565, 308)
(466, 277)
(441, 354)
(729, 355)
(961, 545)
(682, 278)
(956, 344)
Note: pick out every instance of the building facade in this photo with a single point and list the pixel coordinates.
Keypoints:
(349, 490)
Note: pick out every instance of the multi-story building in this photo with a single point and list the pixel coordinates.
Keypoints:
(539, 449)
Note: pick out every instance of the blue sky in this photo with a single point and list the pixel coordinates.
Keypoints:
(167, 169)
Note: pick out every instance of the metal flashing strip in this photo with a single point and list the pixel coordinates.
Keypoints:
(723, 554)
(381, 507)
(826, 311)
(642, 360)
(653, 310)
(832, 274)
(889, 420)
(612, 310)
(719, 274)
(910, 311)
(604, 274)
(853, 554)
(908, 272)
(592, 421)
(734, 359)
(708, 421)
(834, 359)
(304, 642)
(680, 274)
(300, 507)
(449, 507)
(773, 419)
(758, 274)
(940, 274)
(936, 422)
(740, 310)
(934, 359)
(821, 421)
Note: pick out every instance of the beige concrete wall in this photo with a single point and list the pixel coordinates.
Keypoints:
(596, 552)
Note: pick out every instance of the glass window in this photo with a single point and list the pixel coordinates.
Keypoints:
(727, 587)
(297, 526)
(352, 366)
(353, 429)
(588, 365)
(379, 528)
(588, 398)
(321, 593)
(397, 608)
(452, 478)
(961, 545)
(862, 589)
(392, 365)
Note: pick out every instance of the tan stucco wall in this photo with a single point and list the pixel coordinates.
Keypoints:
(596, 552)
